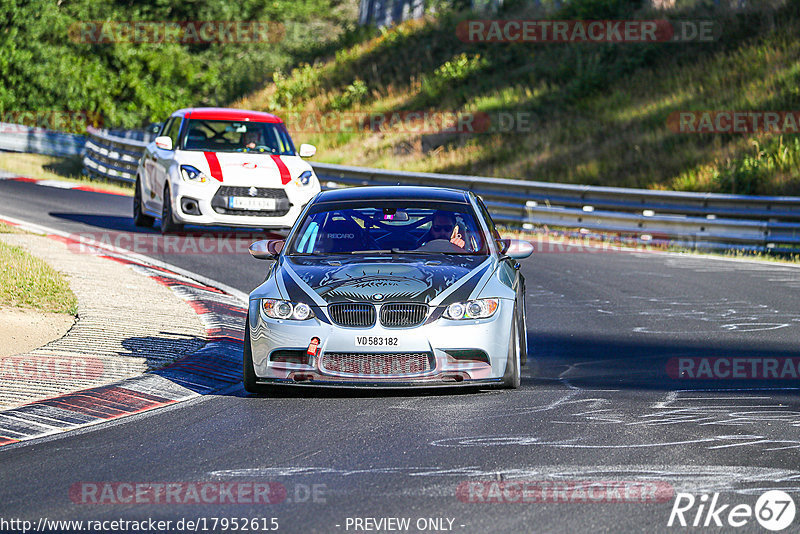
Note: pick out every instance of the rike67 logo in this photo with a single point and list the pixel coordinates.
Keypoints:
(774, 510)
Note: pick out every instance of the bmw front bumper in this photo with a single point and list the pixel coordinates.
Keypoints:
(460, 353)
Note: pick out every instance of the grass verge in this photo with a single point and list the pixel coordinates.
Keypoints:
(28, 282)
(42, 167)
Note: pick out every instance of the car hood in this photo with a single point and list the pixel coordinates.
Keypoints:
(379, 279)
(246, 168)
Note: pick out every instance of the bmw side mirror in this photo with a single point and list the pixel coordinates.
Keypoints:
(307, 151)
(164, 142)
(267, 249)
(517, 249)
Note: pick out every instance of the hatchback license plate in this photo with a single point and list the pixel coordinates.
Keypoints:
(245, 203)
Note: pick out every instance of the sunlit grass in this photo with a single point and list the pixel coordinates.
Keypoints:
(585, 126)
(29, 282)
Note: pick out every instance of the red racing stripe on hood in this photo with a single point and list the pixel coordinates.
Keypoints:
(284, 170)
(213, 165)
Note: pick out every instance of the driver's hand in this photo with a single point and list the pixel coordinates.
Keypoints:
(455, 238)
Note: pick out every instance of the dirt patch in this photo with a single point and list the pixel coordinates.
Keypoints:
(22, 330)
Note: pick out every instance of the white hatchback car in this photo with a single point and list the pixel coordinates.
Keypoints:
(223, 167)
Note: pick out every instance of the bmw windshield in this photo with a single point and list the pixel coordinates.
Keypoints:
(389, 227)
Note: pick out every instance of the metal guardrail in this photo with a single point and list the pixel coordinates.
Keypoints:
(112, 157)
(700, 219)
(19, 138)
(704, 219)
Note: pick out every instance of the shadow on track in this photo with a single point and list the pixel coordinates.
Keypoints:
(321, 392)
(597, 362)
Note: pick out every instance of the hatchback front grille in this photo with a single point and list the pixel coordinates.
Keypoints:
(403, 314)
(219, 203)
(358, 314)
(376, 364)
(260, 192)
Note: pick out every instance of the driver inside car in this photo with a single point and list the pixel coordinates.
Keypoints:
(252, 139)
(444, 226)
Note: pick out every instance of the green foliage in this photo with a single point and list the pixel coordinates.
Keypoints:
(289, 90)
(451, 74)
(746, 175)
(599, 9)
(598, 111)
(46, 66)
(355, 93)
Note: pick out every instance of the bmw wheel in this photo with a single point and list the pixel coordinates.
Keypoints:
(248, 372)
(511, 378)
(522, 330)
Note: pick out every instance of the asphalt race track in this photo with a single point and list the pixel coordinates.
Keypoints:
(600, 401)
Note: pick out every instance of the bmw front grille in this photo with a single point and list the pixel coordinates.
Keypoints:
(357, 314)
(376, 364)
(362, 314)
(403, 314)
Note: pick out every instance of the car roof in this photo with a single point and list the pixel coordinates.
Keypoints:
(226, 114)
(400, 192)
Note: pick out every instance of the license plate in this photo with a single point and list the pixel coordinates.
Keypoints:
(376, 341)
(245, 203)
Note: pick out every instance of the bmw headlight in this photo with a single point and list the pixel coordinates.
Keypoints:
(283, 309)
(305, 178)
(193, 174)
(473, 309)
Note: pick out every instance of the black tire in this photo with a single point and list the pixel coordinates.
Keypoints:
(168, 224)
(511, 378)
(139, 217)
(522, 328)
(248, 372)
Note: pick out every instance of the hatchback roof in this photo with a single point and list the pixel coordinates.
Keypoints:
(226, 114)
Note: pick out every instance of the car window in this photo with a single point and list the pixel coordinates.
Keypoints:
(237, 136)
(173, 131)
(165, 126)
(489, 222)
(389, 227)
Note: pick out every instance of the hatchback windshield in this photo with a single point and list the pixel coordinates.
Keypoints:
(389, 228)
(237, 136)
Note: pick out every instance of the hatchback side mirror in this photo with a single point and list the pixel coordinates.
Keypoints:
(164, 142)
(307, 151)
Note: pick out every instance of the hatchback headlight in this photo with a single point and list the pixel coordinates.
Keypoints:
(305, 178)
(472, 309)
(283, 309)
(193, 174)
